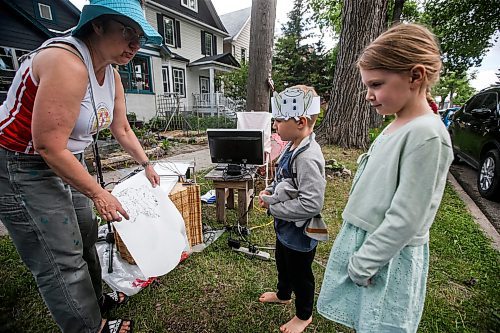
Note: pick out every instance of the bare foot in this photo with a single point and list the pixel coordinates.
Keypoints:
(271, 297)
(295, 325)
(123, 329)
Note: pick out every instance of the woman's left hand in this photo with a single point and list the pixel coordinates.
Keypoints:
(152, 176)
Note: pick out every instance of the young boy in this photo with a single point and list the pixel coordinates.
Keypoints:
(295, 111)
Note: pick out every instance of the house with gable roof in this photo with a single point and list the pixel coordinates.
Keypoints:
(237, 24)
(186, 66)
(182, 73)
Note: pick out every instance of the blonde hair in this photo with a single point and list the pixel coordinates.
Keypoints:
(306, 89)
(401, 48)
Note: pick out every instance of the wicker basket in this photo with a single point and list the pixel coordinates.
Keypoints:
(187, 200)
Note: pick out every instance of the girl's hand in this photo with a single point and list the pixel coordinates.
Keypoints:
(152, 176)
(261, 202)
(108, 206)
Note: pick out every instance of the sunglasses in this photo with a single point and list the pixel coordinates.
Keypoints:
(131, 35)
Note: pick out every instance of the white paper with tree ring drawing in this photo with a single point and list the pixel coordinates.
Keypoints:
(155, 234)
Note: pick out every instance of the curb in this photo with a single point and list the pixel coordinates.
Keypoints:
(476, 213)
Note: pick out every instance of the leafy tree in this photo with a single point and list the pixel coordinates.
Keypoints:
(291, 53)
(327, 13)
(498, 76)
(464, 91)
(455, 85)
(402, 11)
(464, 28)
(297, 62)
(235, 82)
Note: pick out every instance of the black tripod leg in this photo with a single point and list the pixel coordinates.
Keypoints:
(110, 261)
(110, 238)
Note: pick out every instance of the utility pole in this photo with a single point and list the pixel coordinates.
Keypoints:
(260, 54)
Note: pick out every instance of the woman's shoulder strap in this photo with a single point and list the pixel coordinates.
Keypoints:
(56, 43)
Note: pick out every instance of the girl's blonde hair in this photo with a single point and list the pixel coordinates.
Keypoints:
(401, 48)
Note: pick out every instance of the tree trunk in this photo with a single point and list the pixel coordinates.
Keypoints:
(398, 10)
(260, 55)
(441, 104)
(347, 120)
(452, 92)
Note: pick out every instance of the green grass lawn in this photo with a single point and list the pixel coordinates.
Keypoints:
(217, 290)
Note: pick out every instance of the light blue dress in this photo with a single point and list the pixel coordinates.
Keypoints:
(395, 300)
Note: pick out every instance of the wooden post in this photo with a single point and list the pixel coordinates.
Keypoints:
(260, 55)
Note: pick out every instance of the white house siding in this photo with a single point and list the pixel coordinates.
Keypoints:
(142, 105)
(190, 49)
(190, 36)
(242, 41)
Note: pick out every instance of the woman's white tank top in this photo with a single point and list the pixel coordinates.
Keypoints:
(104, 99)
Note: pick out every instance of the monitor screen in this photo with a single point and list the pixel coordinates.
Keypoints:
(236, 146)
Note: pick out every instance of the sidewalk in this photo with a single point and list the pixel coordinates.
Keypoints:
(201, 159)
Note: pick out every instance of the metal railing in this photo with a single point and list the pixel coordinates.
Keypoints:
(216, 104)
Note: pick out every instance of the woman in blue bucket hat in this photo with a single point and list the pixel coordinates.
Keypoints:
(65, 92)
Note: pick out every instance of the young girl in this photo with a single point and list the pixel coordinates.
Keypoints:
(377, 271)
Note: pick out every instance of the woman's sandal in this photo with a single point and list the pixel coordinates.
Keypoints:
(112, 300)
(115, 325)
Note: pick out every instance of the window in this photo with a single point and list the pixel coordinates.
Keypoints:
(136, 75)
(45, 11)
(208, 44)
(234, 50)
(490, 102)
(204, 85)
(9, 63)
(179, 82)
(191, 4)
(166, 85)
(7, 56)
(243, 55)
(474, 104)
(169, 31)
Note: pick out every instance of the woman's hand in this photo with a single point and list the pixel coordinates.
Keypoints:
(152, 176)
(261, 202)
(108, 206)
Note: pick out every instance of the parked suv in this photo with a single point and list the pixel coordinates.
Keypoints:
(475, 135)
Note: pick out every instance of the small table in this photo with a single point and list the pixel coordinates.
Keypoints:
(224, 189)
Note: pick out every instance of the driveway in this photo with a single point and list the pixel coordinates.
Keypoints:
(466, 177)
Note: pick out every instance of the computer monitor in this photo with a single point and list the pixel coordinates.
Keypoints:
(236, 146)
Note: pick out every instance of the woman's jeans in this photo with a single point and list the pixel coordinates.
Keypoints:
(54, 230)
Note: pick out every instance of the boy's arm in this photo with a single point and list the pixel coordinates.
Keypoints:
(420, 174)
(311, 186)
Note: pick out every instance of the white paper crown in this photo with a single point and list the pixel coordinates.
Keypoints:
(293, 103)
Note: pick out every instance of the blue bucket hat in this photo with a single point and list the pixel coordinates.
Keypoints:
(128, 8)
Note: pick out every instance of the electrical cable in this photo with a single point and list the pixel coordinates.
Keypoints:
(262, 225)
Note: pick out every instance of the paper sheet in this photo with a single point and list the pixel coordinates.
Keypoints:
(155, 234)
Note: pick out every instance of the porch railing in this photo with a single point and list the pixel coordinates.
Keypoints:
(215, 104)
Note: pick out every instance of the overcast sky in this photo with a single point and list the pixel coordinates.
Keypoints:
(485, 76)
